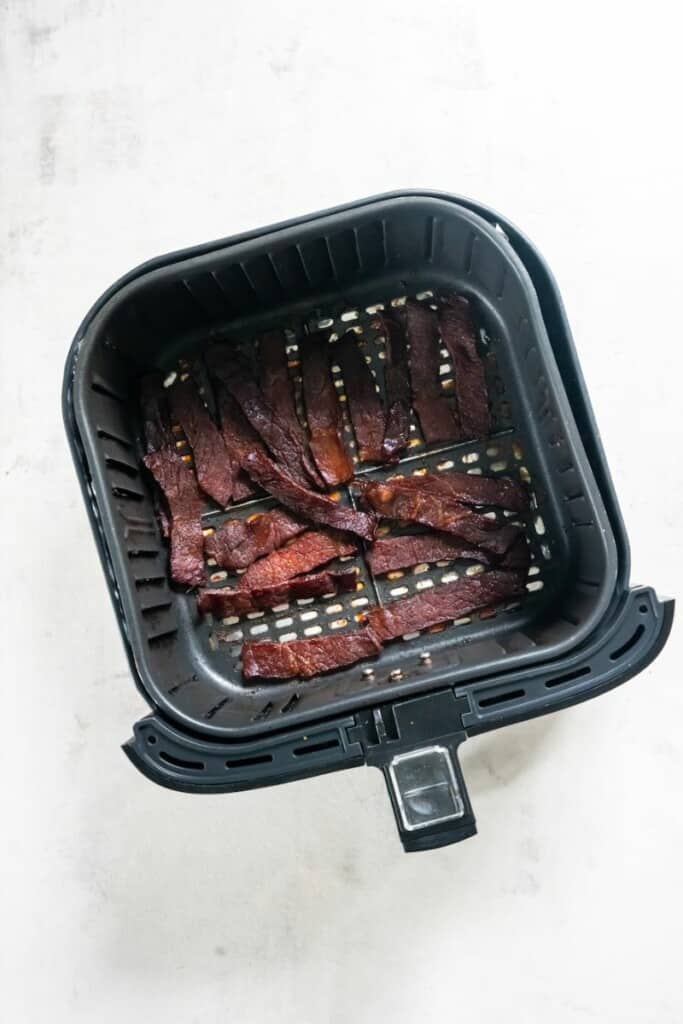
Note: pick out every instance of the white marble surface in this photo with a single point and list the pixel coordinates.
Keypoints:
(131, 129)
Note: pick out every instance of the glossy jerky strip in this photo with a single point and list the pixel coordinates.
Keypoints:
(389, 553)
(438, 418)
(179, 485)
(459, 337)
(364, 404)
(239, 438)
(397, 388)
(323, 411)
(278, 389)
(518, 556)
(286, 448)
(470, 488)
(299, 555)
(212, 463)
(449, 601)
(157, 433)
(239, 542)
(439, 512)
(304, 502)
(304, 659)
(225, 601)
(156, 423)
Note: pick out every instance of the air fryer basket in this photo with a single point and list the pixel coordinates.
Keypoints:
(334, 269)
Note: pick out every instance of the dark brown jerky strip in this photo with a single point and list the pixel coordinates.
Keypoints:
(225, 601)
(243, 487)
(471, 489)
(286, 447)
(156, 423)
(323, 411)
(276, 383)
(213, 465)
(157, 434)
(364, 404)
(389, 553)
(239, 542)
(306, 658)
(304, 502)
(397, 387)
(438, 418)
(441, 513)
(459, 336)
(179, 485)
(517, 556)
(299, 555)
(449, 601)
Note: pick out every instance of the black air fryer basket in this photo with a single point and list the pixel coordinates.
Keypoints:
(578, 631)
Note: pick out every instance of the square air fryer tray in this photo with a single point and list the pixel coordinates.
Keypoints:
(334, 269)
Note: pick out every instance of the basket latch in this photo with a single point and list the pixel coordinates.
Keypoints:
(415, 744)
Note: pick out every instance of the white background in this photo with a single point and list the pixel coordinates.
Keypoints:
(132, 129)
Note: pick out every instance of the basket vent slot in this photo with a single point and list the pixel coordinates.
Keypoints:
(245, 762)
(102, 387)
(315, 748)
(501, 698)
(631, 642)
(568, 677)
(179, 762)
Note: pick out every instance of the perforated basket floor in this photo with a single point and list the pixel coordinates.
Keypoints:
(353, 262)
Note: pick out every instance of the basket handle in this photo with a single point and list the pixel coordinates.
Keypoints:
(429, 797)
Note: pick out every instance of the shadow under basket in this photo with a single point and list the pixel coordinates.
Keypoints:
(578, 630)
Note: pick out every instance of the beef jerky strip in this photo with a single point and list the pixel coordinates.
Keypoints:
(471, 489)
(449, 601)
(179, 485)
(304, 659)
(156, 424)
(389, 553)
(364, 404)
(438, 418)
(304, 502)
(233, 372)
(225, 601)
(213, 465)
(239, 542)
(397, 387)
(301, 554)
(517, 556)
(441, 513)
(459, 337)
(239, 438)
(276, 383)
(323, 411)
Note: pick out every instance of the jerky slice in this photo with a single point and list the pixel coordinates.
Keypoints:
(364, 404)
(471, 489)
(278, 389)
(449, 601)
(397, 387)
(389, 553)
(212, 462)
(287, 448)
(304, 502)
(226, 601)
(459, 336)
(239, 542)
(438, 419)
(306, 658)
(392, 501)
(323, 412)
(301, 554)
(178, 483)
